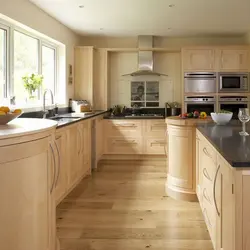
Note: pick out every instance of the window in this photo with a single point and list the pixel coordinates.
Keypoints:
(145, 94)
(25, 62)
(23, 53)
(49, 67)
(3, 63)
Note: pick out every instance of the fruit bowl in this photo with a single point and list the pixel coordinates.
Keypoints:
(4, 119)
(222, 118)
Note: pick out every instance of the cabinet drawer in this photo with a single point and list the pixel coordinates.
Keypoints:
(155, 128)
(155, 146)
(123, 128)
(121, 145)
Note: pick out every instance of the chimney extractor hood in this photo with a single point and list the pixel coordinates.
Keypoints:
(145, 58)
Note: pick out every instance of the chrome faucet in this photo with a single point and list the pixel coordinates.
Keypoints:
(45, 112)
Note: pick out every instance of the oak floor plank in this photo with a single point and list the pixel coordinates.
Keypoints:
(124, 206)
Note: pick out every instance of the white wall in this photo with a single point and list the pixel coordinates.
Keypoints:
(126, 62)
(30, 15)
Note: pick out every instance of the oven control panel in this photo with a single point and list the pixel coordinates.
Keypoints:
(233, 99)
(199, 99)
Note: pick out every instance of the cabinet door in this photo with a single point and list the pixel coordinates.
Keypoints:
(61, 151)
(180, 157)
(74, 149)
(234, 60)
(86, 148)
(198, 59)
(224, 200)
(99, 138)
(25, 197)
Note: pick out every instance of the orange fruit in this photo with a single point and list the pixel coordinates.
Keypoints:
(17, 111)
(2, 113)
(5, 109)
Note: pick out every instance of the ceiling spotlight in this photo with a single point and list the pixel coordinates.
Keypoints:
(171, 5)
(81, 6)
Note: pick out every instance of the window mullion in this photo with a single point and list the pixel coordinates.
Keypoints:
(40, 91)
(10, 90)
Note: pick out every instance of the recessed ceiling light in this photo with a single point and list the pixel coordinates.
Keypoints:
(81, 6)
(171, 5)
(101, 28)
(169, 29)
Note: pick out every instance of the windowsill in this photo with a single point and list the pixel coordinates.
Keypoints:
(37, 107)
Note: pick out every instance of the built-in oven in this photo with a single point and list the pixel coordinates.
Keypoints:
(199, 82)
(233, 104)
(233, 82)
(201, 103)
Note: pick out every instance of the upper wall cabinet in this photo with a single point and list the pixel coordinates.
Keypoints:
(198, 59)
(233, 60)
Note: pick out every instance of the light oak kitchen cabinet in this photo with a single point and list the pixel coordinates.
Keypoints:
(27, 175)
(199, 59)
(233, 60)
(134, 137)
(224, 198)
(74, 148)
(90, 76)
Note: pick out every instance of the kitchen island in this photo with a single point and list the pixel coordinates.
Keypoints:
(215, 163)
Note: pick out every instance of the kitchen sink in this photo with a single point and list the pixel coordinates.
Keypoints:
(64, 119)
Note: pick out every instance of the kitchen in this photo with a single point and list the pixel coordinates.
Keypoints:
(129, 178)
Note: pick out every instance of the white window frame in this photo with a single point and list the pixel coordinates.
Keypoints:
(10, 57)
(7, 73)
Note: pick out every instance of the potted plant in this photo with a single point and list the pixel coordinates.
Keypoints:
(32, 82)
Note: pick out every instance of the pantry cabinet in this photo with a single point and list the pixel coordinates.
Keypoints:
(233, 60)
(200, 59)
(90, 76)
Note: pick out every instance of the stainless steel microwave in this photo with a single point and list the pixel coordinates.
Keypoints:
(233, 82)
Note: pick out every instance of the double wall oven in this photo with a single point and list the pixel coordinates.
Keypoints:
(233, 104)
(201, 103)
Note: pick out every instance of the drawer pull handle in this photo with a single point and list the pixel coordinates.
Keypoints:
(214, 186)
(206, 196)
(206, 217)
(125, 125)
(125, 142)
(205, 173)
(206, 152)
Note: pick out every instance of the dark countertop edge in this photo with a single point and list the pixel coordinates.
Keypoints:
(230, 162)
(81, 119)
(132, 118)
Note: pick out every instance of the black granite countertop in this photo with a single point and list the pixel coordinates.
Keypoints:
(65, 119)
(226, 139)
(133, 117)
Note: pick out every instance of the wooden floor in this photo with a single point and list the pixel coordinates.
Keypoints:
(124, 206)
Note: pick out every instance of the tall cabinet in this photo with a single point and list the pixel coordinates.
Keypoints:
(91, 74)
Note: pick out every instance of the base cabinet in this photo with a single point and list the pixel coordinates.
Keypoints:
(73, 146)
(127, 137)
(27, 211)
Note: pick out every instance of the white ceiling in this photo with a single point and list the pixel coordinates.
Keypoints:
(151, 17)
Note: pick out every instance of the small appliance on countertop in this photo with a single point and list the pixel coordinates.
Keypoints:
(80, 106)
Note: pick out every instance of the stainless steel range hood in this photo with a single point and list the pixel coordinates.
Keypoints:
(145, 58)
